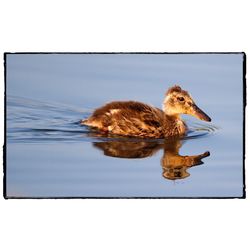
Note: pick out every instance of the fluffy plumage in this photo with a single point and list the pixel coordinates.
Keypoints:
(136, 119)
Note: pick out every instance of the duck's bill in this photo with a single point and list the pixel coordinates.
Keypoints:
(197, 112)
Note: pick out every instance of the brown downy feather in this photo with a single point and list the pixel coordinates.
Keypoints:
(137, 119)
(176, 88)
(133, 119)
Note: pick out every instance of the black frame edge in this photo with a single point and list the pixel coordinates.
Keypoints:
(244, 122)
(5, 126)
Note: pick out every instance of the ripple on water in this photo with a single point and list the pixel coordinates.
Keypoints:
(36, 121)
(197, 130)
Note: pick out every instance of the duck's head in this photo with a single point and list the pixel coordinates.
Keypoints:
(178, 101)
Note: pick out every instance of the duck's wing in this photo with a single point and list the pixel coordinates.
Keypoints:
(128, 118)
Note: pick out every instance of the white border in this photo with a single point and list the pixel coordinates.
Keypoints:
(113, 26)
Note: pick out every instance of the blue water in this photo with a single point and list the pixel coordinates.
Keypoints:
(49, 154)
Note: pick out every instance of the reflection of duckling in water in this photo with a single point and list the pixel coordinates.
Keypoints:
(128, 149)
(137, 119)
(174, 165)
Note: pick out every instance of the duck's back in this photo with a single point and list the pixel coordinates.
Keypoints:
(128, 118)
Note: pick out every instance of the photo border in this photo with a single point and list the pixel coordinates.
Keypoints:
(61, 197)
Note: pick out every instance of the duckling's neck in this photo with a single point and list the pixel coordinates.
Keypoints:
(173, 116)
(173, 125)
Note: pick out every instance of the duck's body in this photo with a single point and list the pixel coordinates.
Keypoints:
(136, 119)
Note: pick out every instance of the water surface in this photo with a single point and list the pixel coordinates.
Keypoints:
(49, 154)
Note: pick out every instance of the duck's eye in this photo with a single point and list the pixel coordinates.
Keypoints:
(181, 99)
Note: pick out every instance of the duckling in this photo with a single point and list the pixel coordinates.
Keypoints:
(136, 119)
(174, 165)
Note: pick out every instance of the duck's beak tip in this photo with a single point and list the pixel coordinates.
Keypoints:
(200, 114)
(204, 117)
(208, 119)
